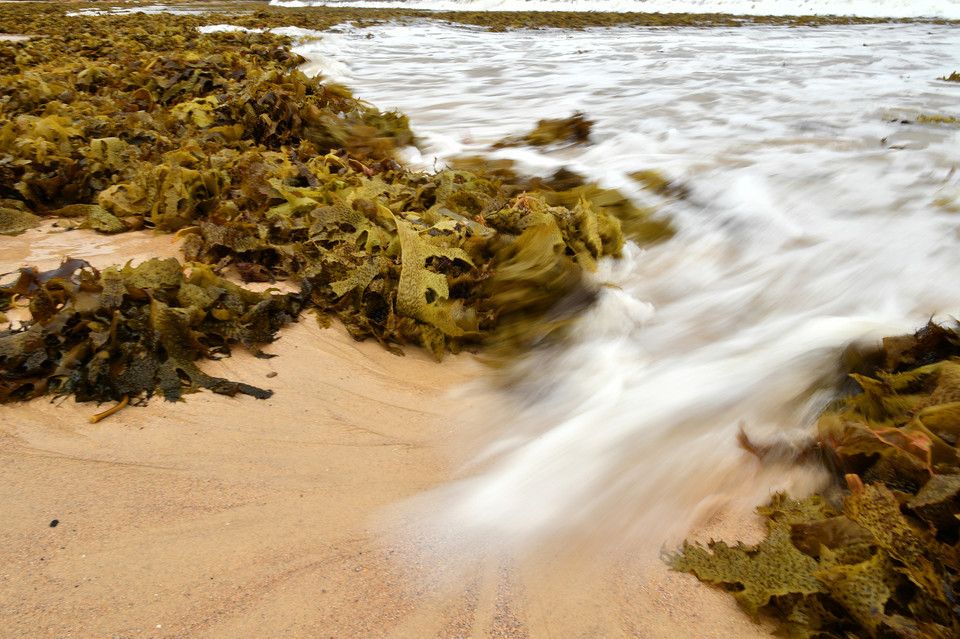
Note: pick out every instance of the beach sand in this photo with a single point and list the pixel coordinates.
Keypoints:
(237, 517)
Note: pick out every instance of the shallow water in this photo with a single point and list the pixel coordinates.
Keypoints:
(820, 213)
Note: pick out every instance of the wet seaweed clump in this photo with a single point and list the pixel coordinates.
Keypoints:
(572, 130)
(937, 119)
(884, 562)
(15, 218)
(124, 333)
(953, 77)
(115, 124)
(434, 260)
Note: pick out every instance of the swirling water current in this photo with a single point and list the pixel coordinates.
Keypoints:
(821, 210)
(820, 213)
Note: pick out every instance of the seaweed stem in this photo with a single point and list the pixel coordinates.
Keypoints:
(110, 411)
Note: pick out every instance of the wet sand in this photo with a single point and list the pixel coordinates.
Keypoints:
(235, 517)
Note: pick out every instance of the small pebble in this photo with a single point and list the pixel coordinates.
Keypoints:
(272, 374)
(54, 523)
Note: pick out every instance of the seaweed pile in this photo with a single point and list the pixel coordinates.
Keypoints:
(117, 124)
(937, 119)
(162, 113)
(886, 561)
(126, 332)
(322, 18)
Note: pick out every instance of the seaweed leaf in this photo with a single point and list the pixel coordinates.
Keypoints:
(422, 293)
(773, 568)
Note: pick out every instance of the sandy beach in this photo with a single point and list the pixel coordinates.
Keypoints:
(236, 517)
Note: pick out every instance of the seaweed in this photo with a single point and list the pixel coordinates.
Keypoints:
(953, 77)
(886, 562)
(128, 332)
(135, 109)
(937, 119)
(15, 218)
(572, 130)
(398, 256)
(564, 188)
(113, 125)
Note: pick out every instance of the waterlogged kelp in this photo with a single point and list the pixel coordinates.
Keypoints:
(572, 130)
(565, 188)
(399, 256)
(115, 124)
(937, 119)
(884, 562)
(15, 218)
(127, 332)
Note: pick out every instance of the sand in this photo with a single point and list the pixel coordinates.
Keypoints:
(236, 517)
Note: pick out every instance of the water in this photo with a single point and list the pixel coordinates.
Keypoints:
(819, 214)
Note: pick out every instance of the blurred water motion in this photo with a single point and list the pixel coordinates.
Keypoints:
(815, 214)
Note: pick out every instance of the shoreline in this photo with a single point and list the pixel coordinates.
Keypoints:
(213, 515)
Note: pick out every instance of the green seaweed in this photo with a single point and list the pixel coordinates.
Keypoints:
(774, 568)
(937, 119)
(115, 124)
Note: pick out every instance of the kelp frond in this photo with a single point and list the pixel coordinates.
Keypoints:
(885, 563)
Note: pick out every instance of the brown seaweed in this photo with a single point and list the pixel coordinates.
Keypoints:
(113, 124)
(886, 562)
(128, 332)
(572, 130)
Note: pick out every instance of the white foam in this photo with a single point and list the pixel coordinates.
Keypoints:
(810, 223)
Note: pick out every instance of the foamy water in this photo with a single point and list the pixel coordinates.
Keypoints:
(820, 214)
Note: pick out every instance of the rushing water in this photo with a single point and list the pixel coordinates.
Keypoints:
(820, 213)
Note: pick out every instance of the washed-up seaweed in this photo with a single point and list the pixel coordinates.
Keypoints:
(139, 107)
(953, 77)
(15, 218)
(399, 256)
(886, 561)
(572, 130)
(115, 124)
(127, 332)
(564, 188)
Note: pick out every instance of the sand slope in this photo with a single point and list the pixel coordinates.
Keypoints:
(234, 517)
